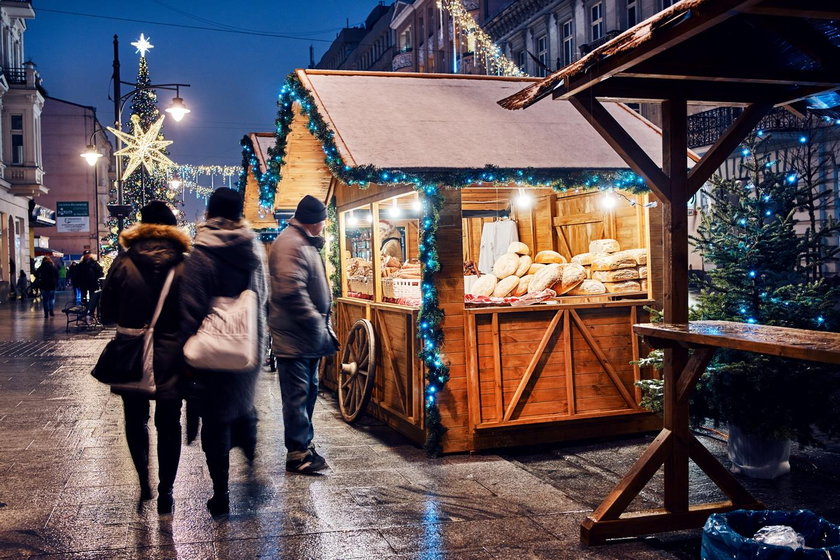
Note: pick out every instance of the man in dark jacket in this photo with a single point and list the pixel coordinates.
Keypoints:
(299, 318)
(227, 259)
(129, 297)
(88, 274)
(47, 275)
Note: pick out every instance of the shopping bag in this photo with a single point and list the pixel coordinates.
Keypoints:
(227, 338)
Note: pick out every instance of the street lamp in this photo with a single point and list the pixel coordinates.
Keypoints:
(91, 155)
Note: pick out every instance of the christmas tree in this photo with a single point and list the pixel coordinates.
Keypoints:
(765, 272)
(143, 185)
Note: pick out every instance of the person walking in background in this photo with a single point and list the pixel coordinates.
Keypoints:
(47, 277)
(152, 248)
(299, 319)
(74, 282)
(88, 274)
(227, 259)
(22, 285)
(62, 276)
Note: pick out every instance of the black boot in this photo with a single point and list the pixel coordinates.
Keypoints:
(165, 501)
(168, 423)
(219, 504)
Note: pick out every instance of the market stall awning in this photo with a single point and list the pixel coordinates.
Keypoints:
(416, 122)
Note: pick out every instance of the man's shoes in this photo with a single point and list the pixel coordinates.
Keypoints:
(219, 504)
(311, 463)
(52, 313)
(165, 502)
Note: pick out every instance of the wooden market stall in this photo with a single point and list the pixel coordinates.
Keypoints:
(383, 146)
(754, 53)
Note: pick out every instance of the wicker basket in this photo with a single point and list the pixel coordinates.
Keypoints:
(406, 289)
(360, 284)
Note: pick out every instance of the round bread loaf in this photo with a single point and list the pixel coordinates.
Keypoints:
(484, 286)
(584, 259)
(546, 278)
(573, 275)
(549, 257)
(588, 288)
(604, 246)
(535, 268)
(524, 265)
(506, 265)
(506, 286)
(519, 248)
(522, 288)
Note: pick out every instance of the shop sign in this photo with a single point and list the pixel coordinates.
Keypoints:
(73, 217)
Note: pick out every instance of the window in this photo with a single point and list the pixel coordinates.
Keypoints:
(668, 3)
(405, 40)
(17, 139)
(520, 58)
(568, 42)
(596, 21)
(542, 55)
(632, 13)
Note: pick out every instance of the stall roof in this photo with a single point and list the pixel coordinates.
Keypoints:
(416, 122)
(262, 141)
(710, 51)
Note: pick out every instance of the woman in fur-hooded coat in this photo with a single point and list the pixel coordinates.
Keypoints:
(135, 280)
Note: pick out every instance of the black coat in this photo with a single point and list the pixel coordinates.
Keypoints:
(227, 259)
(88, 273)
(47, 276)
(299, 312)
(133, 287)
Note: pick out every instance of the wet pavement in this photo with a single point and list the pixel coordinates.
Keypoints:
(68, 490)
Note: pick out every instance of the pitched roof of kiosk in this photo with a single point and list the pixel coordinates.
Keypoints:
(416, 122)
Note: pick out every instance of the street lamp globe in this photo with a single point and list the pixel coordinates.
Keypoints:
(177, 109)
(91, 155)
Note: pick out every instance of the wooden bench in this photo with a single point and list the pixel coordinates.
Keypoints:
(675, 444)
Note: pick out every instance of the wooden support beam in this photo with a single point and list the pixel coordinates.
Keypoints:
(803, 38)
(813, 9)
(693, 370)
(739, 74)
(723, 148)
(624, 144)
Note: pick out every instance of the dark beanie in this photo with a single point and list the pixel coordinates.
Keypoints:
(157, 212)
(310, 210)
(225, 203)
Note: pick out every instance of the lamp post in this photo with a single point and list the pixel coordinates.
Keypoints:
(177, 109)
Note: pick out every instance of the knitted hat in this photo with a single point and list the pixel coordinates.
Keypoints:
(157, 212)
(310, 210)
(225, 203)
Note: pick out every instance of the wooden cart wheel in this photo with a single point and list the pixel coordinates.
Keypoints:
(358, 367)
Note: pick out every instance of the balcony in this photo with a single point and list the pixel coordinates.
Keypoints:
(25, 180)
(706, 127)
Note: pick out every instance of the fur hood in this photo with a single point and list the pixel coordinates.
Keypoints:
(141, 231)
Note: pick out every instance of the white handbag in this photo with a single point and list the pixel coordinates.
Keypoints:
(227, 338)
(147, 382)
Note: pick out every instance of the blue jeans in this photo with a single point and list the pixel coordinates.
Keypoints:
(48, 300)
(299, 390)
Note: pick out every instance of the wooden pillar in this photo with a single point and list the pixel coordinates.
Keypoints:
(675, 240)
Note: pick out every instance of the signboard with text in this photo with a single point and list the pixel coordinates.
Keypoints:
(72, 217)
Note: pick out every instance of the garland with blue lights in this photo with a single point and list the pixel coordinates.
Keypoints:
(427, 182)
(334, 255)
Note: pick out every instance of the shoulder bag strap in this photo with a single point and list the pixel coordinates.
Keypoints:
(163, 293)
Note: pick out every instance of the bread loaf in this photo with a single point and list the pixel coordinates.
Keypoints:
(620, 275)
(604, 246)
(518, 248)
(642, 272)
(588, 288)
(546, 278)
(613, 262)
(522, 288)
(524, 266)
(573, 275)
(484, 286)
(506, 265)
(535, 268)
(549, 257)
(505, 286)
(583, 259)
(639, 254)
(644, 284)
(620, 287)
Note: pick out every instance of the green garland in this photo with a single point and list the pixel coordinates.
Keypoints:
(427, 182)
(334, 256)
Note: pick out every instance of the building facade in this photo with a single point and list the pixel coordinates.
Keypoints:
(369, 47)
(77, 191)
(21, 169)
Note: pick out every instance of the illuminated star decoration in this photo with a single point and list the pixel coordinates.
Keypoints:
(143, 147)
(142, 45)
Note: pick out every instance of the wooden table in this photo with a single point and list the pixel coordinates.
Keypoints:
(675, 444)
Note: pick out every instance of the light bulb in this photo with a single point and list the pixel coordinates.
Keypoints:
(417, 206)
(524, 200)
(352, 220)
(91, 155)
(395, 211)
(178, 109)
(609, 200)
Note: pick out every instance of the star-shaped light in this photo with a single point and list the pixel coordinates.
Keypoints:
(142, 45)
(143, 147)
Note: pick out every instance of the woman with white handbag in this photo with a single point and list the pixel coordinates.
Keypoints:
(223, 303)
(142, 288)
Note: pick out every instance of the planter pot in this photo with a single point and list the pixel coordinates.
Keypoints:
(757, 456)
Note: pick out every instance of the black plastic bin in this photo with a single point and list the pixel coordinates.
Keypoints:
(728, 536)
